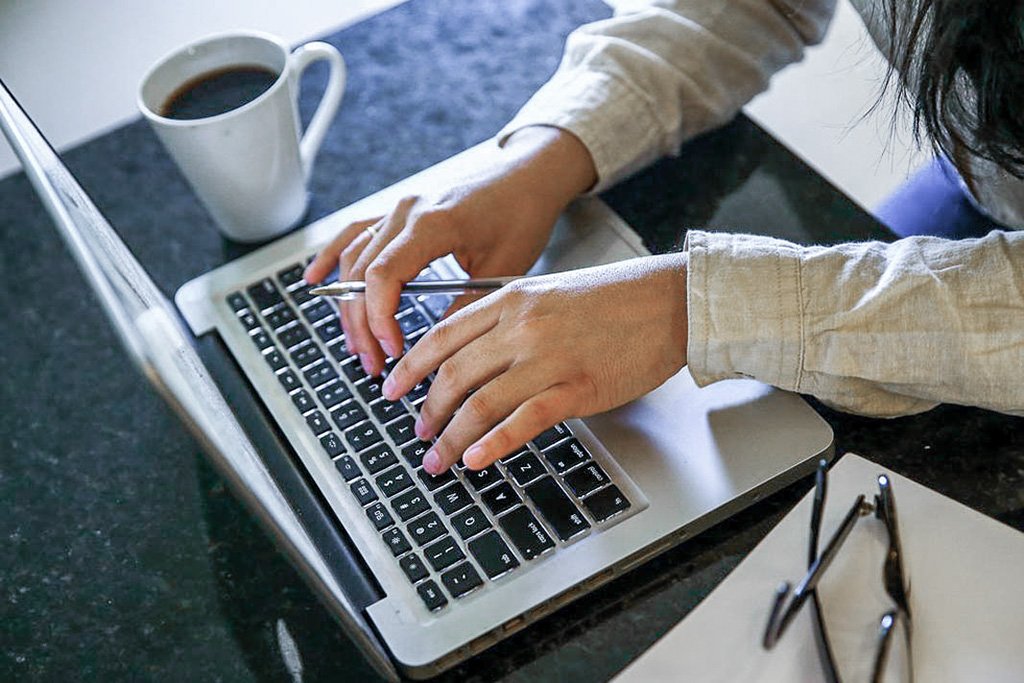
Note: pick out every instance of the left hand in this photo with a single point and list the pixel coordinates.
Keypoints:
(544, 349)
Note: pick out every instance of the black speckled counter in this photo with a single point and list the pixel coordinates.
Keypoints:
(123, 556)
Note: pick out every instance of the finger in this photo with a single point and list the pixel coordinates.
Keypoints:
(485, 408)
(398, 262)
(538, 413)
(353, 312)
(462, 301)
(471, 367)
(327, 258)
(440, 342)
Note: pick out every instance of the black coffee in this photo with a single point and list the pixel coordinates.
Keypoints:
(218, 91)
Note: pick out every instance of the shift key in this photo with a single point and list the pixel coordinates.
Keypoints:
(525, 532)
(557, 509)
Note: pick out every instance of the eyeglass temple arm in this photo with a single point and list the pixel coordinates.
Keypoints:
(780, 616)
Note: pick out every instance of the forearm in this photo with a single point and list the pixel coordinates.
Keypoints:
(879, 329)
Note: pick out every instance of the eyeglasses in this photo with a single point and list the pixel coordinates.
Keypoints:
(893, 578)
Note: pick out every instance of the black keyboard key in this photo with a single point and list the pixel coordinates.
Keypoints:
(347, 467)
(414, 452)
(481, 479)
(453, 498)
(393, 481)
(500, 498)
(363, 492)
(443, 553)
(332, 444)
(380, 516)
(280, 316)
(261, 339)
(369, 389)
(419, 392)
(410, 340)
(236, 301)
(265, 294)
(329, 330)
(412, 321)
(291, 275)
(566, 455)
(274, 359)
(410, 504)
(396, 541)
(362, 436)
(525, 469)
(378, 459)
(585, 479)
(461, 579)
(405, 303)
(340, 352)
(318, 311)
(433, 482)
(306, 354)
(334, 393)
(606, 503)
(320, 374)
(413, 567)
(432, 596)
(436, 304)
(318, 424)
(557, 509)
(525, 532)
(492, 554)
(402, 430)
(302, 401)
(288, 380)
(248, 319)
(348, 414)
(426, 528)
(512, 456)
(292, 336)
(386, 411)
(353, 369)
(552, 436)
(470, 522)
(301, 295)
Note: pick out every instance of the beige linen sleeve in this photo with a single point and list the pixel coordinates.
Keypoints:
(872, 328)
(634, 87)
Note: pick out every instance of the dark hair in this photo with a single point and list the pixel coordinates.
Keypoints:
(962, 67)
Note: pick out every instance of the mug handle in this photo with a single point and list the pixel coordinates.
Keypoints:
(301, 58)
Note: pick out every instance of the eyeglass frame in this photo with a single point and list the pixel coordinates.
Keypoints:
(894, 578)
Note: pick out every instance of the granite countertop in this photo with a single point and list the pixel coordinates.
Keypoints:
(124, 554)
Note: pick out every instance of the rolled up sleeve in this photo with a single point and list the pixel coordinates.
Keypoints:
(872, 328)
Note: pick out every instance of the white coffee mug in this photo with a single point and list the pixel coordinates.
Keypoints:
(248, 165)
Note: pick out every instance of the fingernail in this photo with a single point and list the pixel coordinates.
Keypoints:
(421, 429)
(367, 362)
(395, 351)
(388, 388)
(474, 458)
(432, 462)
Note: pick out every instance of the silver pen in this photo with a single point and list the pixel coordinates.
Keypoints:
(355, 288)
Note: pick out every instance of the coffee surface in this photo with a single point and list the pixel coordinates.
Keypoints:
(217, 92)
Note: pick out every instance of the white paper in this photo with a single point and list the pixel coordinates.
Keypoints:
(966, 575)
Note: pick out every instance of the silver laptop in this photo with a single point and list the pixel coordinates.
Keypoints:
(423, 572)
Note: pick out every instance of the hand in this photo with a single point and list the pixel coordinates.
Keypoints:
(495, 223)
(544, 349)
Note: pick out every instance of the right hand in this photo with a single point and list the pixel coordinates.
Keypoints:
(495, 223)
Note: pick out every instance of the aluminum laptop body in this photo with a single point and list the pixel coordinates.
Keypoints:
(685, 458)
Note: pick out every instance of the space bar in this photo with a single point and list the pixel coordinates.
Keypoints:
(556, 508)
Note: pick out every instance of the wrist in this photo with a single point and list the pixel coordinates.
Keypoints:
(554, 164)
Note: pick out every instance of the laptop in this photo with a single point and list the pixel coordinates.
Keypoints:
(421, 572)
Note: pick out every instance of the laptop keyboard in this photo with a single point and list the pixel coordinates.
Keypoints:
(450, 534)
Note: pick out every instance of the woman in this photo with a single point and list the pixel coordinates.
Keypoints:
(879, 329)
